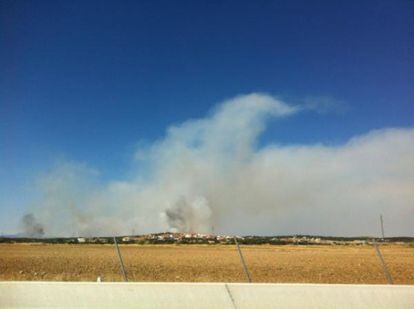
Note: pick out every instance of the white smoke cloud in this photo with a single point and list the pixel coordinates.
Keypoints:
(210, 173)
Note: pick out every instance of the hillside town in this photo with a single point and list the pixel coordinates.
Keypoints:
(211, 239)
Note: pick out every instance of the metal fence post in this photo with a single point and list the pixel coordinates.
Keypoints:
(384, 266)
(120, 260)
(246, 271)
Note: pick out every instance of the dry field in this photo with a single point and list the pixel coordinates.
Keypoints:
(316, 264)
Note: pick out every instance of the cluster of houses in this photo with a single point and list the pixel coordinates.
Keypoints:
(179, 238)
(159, 238)
(200, 238)
(309, 240)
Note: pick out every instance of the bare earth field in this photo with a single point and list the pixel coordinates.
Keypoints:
(203, 263)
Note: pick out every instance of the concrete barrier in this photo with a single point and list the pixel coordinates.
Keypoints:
(202, 295)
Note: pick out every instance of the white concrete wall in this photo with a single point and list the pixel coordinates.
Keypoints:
(202, 295)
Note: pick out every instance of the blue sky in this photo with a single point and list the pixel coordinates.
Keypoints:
(89, 80)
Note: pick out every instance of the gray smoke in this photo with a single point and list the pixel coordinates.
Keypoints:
(213, 171)
(32, 228)
(185, 216)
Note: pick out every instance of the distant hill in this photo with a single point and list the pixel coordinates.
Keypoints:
(197, 238)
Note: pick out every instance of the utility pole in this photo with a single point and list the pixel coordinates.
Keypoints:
(382, 227)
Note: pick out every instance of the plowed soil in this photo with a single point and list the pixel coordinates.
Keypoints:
(197, 263)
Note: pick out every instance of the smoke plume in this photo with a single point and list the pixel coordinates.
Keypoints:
(31, 228)
(213, 172)
(189, 216)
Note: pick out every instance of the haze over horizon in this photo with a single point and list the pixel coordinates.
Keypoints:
(252, 118)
